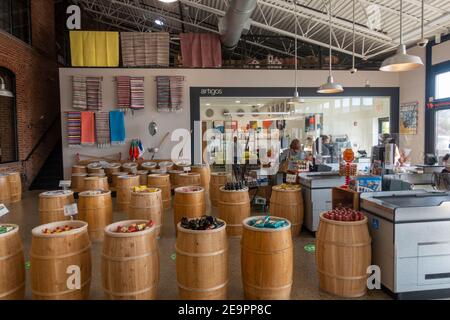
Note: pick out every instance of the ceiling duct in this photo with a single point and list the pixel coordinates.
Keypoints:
(236, 22)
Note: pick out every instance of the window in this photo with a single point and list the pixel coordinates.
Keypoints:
(15, 18)
(442, 87)
(442, 132)
(8, 134)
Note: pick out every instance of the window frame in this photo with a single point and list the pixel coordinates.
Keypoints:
(10, 31)
(12, 76)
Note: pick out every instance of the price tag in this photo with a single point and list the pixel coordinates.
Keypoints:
(186, 169)
(70, 210)
(3, 210)
(291, 178)
(65, 184)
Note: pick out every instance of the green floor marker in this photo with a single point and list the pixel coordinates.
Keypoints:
(27, 265)
(310, 248)
(173, 256)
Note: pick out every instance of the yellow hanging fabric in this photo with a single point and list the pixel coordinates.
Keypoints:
(94, 48)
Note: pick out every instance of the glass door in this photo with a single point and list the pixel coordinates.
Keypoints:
(442, 142)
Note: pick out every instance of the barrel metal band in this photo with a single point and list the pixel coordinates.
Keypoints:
(127, 294)
(268, 288)
(341, 277)
(215, 253)
(63, 256)
(12, 254)
(45, 294)
(5, 294)
(203, 290)
(266, 252)
(343, 244)
(122, 259)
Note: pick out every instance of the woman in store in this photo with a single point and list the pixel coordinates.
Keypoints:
(289, 157)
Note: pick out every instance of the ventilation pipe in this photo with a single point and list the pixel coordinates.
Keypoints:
(236, 22)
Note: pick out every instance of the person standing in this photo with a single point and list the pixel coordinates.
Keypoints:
(289, 157)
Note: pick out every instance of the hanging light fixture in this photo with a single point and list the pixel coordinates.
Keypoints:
(3, 91)
(296, 98)
(401, 61)
(330, 86)
(167, 1)
(423, 41)
(353, 69)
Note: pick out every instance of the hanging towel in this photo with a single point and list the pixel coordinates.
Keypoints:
(137, 93)
(169, 93)
(201, 50)
(123, 92)
(73, 128)
(87, 128)
(79, 100)
(102, 129)
(94, 93)
(117, 127)
(94, 48)
(145, 49)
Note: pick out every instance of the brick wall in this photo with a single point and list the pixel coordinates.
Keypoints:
(37, 92)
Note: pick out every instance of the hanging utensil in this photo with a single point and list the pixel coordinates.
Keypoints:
(155, 150)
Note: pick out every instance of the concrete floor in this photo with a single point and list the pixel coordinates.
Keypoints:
(305, 287)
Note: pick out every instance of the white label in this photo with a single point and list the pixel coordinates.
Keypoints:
(3, 210)
(65, 183)
(70, 209)
(186, 169)
(291, 178)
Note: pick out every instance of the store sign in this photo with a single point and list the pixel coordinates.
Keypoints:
(3, 210)
(291, 178)
(70, 210)
(74, 19)
(186, 169)
(211, 92)
(65, 184)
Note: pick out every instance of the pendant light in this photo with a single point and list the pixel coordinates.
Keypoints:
(330, 86)
(296, 98)
(353, 69)
(401, 61)
(3, 91)
(423, 41)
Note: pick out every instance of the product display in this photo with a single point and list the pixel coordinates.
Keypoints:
(117, 127)
(267, 222)
(286, 186)
(145, 189)
(203, 223)
(145, 49)
(169, 93)
(240, 185)
(6, 228)
(94, 48)
(135, 227)
(343, 214)
(58, 229)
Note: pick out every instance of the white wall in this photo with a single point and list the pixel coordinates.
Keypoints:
(441, 53)
(136, 126)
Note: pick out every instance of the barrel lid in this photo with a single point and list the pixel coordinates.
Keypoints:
(113, 165)
(165, 164)
(109, 229)
(56, 193)
(149, 164)
(155, 175)
(120, 173)
(287, 188)
(128, 176)
(175, 171)
(129, 165)
(158, 171)
(15, 228)
(247, 226)
(180, 228)
(245, 189)
(79, 174)
(95, 165)
(93, 193)
(189, 189)
(142, 172)
(78, 166)
(79, 225)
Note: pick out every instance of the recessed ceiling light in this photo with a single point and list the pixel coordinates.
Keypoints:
(237, 101)
(208, 104)
(259, 104)
(167, 1)
(159, 22)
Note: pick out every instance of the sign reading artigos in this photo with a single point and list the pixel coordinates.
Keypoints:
(211, 92)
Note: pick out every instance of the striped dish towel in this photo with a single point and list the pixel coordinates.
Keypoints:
(169, 93)
(87, 128)
(102, 129)
(127, 45)
(73, 128)
(117, 127)
(94, 93)
(141, 49)
(79, 100)
(123, 92)
(176, 92)
(137, 93)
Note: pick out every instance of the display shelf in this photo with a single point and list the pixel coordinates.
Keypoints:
(345, 197)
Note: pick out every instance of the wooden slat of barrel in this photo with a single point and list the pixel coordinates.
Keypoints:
(234, 207)
(343, 253)
(205, 175)
(142, 177)
(188, 179)
(95, 208)
(202, 263)
(147, 205)
(5, 195)
(59, 253)
(130, 167)
(12, 265)
(267, 262)
(79, 169)
(188, 202)
(114, 177)
(77, 183)
(288, 204)
(161, 181)
(218, 179)
(15, 186)
(123, 188)
(51, 205)
(130, 263)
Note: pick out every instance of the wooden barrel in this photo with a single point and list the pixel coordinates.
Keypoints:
(148, 165)
(288, 204)
(218, 179)
(95, 167)
(147, 205)
(123, 188)
(343, 253)
(95, 183)
(205, 174)
(174, 178)
(158, 171)
(202, 263)
(266, 262)
(182, 165)
(165, 165)
(161, 181)
(115, 176)
(130, 263)
(51, 205)
(188, 179)
(188, 202)
(15, 186)
(142, 177)
(53, 257)
(12, 265)
(112, 168)
(130, 167)
(5, 195)
(95, 207)
(77, 183)
(234, 207)
(79, 169)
